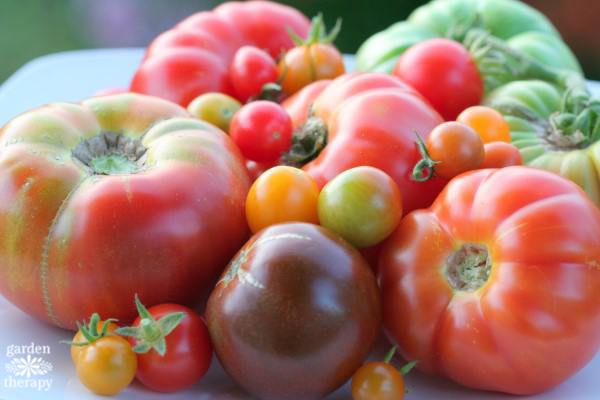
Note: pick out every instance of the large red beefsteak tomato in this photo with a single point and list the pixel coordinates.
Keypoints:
(194, 57)
(497, 285)
(108, 198)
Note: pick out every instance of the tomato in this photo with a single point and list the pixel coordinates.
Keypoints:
(256, 169)
(379, 380)
(298, 106)
(489, 124)
(250, 70)
(500, 154)
(79, 338)
(110, 90)
(194, 57)
(362, 204)
(216, 108)
(262, 130)
(313, 59)
(91, 193)
(455, 148)
(501, 273)
(524, 29)
(282, 194)
(372, 119)
(295, 313)
(443, 71)
(172, 346)
(105, 363)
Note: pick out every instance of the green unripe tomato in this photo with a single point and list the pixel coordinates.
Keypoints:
(362, 204)
(216, 108)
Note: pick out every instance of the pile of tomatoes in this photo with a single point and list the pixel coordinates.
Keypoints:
(279, 212)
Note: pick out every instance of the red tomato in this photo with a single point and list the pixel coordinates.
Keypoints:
(188, 349)
(496, 285)
(194, 57)
(375, 127)
(262, 130)
(110, 192)
(456, 148)
(298, 106)
(443, 71)
(250, 70)
(295, 313)
(501, 154)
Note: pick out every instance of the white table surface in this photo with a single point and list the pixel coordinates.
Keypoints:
(73, 76)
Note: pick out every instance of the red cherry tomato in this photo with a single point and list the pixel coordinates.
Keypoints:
(187, 347)
(443, 71)
(501, 154)
(262, 130)
(250, 70)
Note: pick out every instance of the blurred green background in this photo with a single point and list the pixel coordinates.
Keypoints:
(31, 28)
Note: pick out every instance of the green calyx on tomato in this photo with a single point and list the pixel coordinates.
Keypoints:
(90, 331)
(425, 164)
(151, 333)
(317, 32)
(307, 142)
(110, 153)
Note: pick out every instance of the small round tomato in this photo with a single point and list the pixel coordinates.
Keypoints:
(362, 204)
(79, 338)
(443, 71)
(282, 194)
(456, 148)
(216, 108)
(250, 70)
(312, 59)
(262, 130)
(172, 344)
(107, 365)
(105, 362)
(501, 154)
(489, 124)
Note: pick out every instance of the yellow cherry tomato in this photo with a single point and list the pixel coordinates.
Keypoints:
(282, 194)
(75, 350)
(216, 108)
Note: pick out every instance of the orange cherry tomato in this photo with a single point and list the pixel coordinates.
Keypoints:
(75, 350)
(377, 380)
(456, 147)
(501, 154)
(282, 194)
(489, 124)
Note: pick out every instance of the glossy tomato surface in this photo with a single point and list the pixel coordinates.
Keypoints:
(295, 313)
(496, 285)
(83, 229)
(188, 356)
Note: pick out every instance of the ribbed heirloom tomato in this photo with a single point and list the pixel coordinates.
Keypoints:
(496, 286)
(110, 197)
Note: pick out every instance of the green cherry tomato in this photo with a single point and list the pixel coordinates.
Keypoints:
(216, 108)
(362, 204)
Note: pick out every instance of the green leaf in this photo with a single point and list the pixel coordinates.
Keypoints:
(169, 322)
(405, 370)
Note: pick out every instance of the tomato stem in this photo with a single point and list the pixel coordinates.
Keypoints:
(90, 331)
(317, 32)
(308, 140)
(390, 354)
(426, 163)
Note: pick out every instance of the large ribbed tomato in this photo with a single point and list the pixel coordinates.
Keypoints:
(497, 285)
(194, 57)
(108, 198)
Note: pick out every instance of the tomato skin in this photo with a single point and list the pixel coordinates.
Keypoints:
(262, 130)
(457, 84)
(216, 108)
(377, 380)
(387, 117)
(282, 194)
(188, 355)
(537, 227)
(489, 124)
(500, 155)
(250, 70)
(298, 317)
(456, 147)
(107, 365)
(306, 64)
(116, 228)
(299, 104)
(194, 57)
(362, 204)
